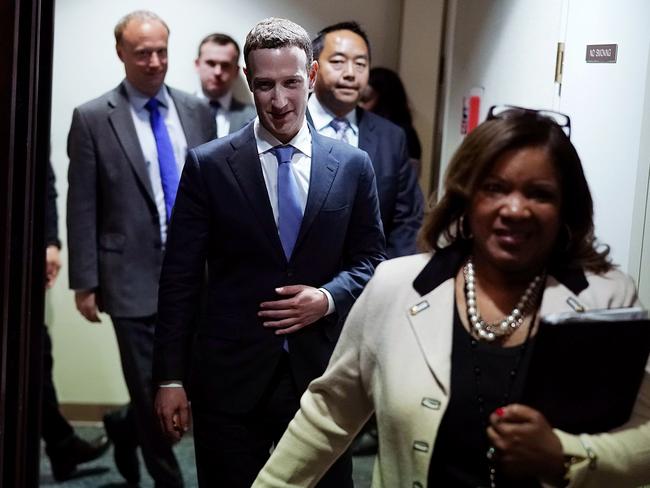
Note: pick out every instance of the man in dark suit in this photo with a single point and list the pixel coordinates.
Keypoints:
(288, 223)
(126, 151)
(343, 54)
(218, 67)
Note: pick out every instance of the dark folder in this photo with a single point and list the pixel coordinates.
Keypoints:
(586, 368)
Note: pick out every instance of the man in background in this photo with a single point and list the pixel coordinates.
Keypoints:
(127, 149)
(218, 68)
(343, 54)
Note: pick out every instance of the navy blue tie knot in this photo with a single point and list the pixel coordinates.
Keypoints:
(284, 154)
(152, 104)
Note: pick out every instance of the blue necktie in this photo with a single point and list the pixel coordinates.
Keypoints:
(340, 125)
(168, 171)
(289, 208)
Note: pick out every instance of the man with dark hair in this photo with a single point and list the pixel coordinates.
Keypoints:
(127, 150)
(343, 54)
(288, 223)
(217, 65)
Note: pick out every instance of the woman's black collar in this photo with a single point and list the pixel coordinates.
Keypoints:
(445, 263)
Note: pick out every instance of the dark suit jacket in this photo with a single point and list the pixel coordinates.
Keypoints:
(113, 225)
(223, 216)
(400, 197)
(240, 114)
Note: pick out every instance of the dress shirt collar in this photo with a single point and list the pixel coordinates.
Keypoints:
(138, 99)
(266, 141)
(224, 101)
(322, 117)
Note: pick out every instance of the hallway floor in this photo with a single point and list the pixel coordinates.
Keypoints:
(102, 473)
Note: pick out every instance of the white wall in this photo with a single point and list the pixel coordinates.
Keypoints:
(508, 47)
(85, 65)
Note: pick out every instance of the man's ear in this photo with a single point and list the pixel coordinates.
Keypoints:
(313, 72)
(248, 78)
(118, 50)
(196, 63)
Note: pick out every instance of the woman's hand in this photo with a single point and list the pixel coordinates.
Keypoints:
(525, 442)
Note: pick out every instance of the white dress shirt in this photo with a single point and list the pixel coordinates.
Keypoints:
(147, 140)
(322, 118)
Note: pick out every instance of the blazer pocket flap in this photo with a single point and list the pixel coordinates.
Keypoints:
(112, 242)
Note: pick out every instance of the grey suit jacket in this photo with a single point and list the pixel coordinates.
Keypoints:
(240, 114)
(113, 225)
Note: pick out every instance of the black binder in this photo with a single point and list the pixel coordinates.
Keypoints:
(586, 368)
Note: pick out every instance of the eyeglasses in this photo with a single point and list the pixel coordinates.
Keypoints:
(511, 111)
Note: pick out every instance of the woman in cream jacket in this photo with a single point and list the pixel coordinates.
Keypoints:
(516, 207)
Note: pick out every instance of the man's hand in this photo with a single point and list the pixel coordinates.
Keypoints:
(302, 305)
(52, 265)
(525, 442)
(86, 302)
(172, 409)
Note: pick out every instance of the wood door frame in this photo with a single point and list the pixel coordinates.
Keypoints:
(26, 38)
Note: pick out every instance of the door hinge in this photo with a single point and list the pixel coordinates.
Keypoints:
(559, 62)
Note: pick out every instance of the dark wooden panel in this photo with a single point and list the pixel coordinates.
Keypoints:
(26, 28)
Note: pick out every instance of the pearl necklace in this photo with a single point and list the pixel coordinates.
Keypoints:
(489, 331)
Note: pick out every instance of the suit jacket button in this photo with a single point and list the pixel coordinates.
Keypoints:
(290, 273)
(431, 403)
(421, 446)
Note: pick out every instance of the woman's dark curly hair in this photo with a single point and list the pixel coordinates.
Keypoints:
(576, 245)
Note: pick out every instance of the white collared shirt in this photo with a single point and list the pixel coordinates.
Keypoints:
(300, 163)
(141, 121)
(223, 113)
(322, 117)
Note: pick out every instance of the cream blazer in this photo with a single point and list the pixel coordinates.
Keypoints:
(393, 358)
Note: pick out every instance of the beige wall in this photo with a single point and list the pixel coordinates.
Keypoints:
(421, 37)
(87, 367)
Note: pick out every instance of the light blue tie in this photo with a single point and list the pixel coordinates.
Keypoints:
(340, 125)
(289, 208)
(168, 171)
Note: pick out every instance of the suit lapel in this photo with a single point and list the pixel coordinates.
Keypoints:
(323, 171)
(367, 135)
(119, 114)
(190, 121)
(430, 318)
(245, 165)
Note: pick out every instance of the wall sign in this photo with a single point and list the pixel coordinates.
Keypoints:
(601, 53)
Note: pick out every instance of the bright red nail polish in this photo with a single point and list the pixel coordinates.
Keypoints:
(500, 411)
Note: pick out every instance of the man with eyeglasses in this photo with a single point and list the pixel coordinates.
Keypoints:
(127, 150)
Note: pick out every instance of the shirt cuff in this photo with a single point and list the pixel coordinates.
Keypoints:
(331, 308)
(171, 384)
